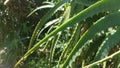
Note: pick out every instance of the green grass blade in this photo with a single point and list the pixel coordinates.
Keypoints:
(101, 6)
(48, 25)
(43, 21)
(52, 50)
(39, 8)
(65, 17)
(105, 23)
(108, 44)
(68, 44)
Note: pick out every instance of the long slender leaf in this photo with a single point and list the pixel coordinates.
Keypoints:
(101, 6)
(108, 44)
(105, 23)
(43, 21)
(39, 8)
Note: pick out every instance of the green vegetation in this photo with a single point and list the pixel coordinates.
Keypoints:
(59, 34)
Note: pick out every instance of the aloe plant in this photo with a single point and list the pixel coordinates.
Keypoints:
(79, 44)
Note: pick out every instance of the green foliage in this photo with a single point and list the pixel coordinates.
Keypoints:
(67, 33)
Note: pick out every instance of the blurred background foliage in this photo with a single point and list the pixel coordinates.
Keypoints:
(18, 19)
(16, 29)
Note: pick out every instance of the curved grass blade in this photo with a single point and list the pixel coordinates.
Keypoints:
(65, 16)
(47, 25)
(101, 6)
(72, 40)
(105, 23)
(43, 20)
(39, 8)
(108, 44)
(52, 50)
